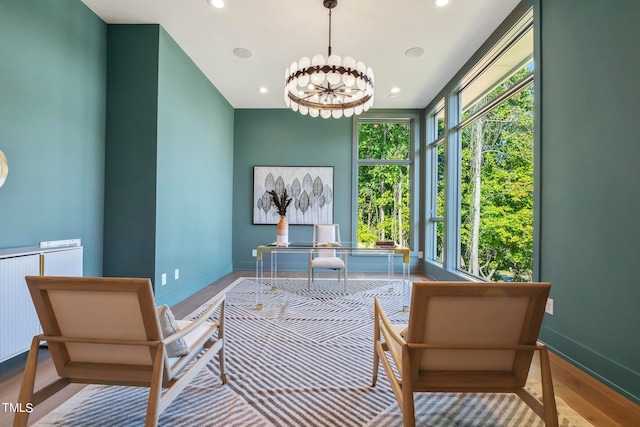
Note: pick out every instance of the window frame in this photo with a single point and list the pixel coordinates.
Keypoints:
(390, 116)
(512, 91)
(510, 31)
(434, 142)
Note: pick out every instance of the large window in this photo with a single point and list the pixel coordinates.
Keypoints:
(496, 209)
(481, 165)
(384, 177)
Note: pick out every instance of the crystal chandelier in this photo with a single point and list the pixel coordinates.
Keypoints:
(330, 87)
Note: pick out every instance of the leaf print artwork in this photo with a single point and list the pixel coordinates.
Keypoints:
(266, 202)
(279, 186)
(296, 188)
(328, 198)
(269, 183)
(310, 189)
(304, 202)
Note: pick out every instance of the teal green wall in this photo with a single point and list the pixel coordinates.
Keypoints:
(590, 173)
(286, 138)
(116, 123)
(52, 124)
(194, 176)
(130, 154)
(169, 166)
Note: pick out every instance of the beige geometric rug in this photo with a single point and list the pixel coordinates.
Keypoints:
(304, 360)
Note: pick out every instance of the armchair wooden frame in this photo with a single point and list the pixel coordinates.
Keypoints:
(466, 337)
(107, 331)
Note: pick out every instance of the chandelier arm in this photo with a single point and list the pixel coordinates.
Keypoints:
(311, 95)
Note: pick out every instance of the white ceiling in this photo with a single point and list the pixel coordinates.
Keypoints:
(280, 32)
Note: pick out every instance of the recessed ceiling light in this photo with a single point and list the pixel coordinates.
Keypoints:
(241, 52)
(440, 3)
(263, 90)
(395, 89)
(414, 52)
(219, 4)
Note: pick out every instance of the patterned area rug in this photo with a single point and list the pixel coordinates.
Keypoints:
(304, 360)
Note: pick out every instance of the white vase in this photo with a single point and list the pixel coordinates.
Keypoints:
(282, 232)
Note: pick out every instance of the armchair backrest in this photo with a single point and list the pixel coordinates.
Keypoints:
(92, 323)
(468, 326)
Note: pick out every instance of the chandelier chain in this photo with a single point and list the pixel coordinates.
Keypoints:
(329, 33)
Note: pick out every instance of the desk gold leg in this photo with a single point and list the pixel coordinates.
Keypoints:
(405, 286)
(274, 270)
(259, 281)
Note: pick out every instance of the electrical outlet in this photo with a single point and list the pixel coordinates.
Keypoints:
(254, 253)
(549, 307)
(176, 274)
(164, 279)
(420, 254)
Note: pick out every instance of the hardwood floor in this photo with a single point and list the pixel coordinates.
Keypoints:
(594, 401)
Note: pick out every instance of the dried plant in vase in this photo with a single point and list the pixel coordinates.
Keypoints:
(281, 203)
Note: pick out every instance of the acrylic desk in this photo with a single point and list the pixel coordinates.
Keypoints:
(348, 248)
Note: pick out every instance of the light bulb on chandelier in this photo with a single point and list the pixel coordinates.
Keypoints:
(330, 87)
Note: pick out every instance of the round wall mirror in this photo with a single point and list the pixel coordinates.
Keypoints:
(4, 168)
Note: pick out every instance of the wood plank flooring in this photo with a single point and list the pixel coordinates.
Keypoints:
(590, 398)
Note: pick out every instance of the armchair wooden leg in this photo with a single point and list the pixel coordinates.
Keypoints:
(155, 391)
(376, 364)
(548, 396)
(223, 374)
(408, 410)
(221, 337)
(28, 383)
(407, 404)
(376, 340)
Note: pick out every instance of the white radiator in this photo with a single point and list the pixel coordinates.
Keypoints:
(64, 262)
(18, 319)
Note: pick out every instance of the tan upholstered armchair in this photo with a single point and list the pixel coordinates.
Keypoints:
(108, 331)
(466, 337)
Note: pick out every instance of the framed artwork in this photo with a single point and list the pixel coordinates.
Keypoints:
(310, 187)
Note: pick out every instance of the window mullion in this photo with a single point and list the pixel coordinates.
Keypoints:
(373, 162)
(452, 179)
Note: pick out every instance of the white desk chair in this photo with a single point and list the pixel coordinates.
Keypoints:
(326, 236)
